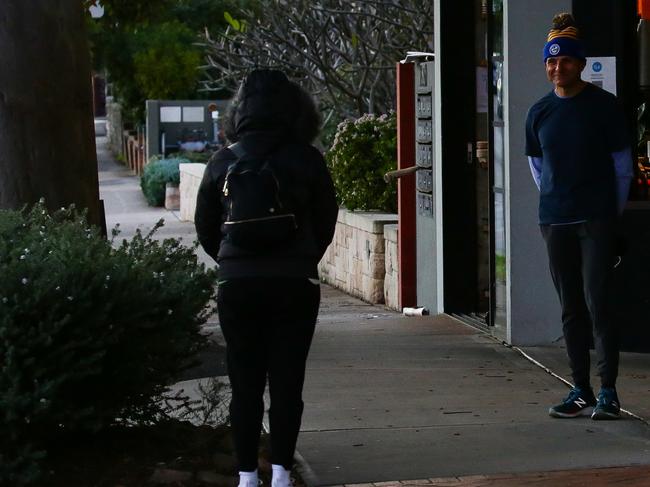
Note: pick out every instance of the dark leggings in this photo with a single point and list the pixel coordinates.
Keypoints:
(268, 324)
(581, 258)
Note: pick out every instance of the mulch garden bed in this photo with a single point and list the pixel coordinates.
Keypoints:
(175, 453)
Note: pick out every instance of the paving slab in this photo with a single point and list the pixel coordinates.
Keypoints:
(394, 398)
(370, 455)
(599, 477)
(633, 384)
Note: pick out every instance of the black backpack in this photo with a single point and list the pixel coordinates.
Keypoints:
(258, 214)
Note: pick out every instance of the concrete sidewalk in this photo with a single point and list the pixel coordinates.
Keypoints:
(390, 399)
(125, 204)
(393, 398)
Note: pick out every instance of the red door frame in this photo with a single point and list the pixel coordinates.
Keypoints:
(406, 248)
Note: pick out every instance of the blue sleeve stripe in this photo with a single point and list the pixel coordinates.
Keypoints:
(624, 173)
(536, 169)
(623, 163)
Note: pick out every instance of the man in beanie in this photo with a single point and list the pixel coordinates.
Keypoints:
(580, 157)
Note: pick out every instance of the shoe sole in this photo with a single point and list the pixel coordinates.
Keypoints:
(603, 416)
(588, 411)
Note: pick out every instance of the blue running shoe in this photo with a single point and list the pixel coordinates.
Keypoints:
(579, 402)
(608, 406)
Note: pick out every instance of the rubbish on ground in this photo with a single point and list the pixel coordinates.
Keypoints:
(415, 311)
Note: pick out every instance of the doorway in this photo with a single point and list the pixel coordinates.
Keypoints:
(472, 162)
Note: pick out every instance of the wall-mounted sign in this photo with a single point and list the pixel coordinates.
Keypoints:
(193, 114)
(601, 71)
(170, 114)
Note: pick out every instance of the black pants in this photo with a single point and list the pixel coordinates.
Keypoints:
(268, 324)
(581, 258)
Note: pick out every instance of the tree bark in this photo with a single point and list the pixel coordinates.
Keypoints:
(47, 141)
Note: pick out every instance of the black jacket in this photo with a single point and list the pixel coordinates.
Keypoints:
(304, 174)
(268, 119)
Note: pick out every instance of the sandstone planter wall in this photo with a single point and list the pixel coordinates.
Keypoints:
(391, 296)
(355, 262)
(191, 175)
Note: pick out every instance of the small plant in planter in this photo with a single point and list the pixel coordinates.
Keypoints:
(155, 177)
(91, 334)
(200, 157)
(363, 151)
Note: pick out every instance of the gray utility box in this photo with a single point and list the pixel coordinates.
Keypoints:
(427, 224)
(173, 122)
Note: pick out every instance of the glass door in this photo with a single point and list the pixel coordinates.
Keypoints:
(497, 168)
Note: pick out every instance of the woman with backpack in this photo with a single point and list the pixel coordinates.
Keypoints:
(266, 212)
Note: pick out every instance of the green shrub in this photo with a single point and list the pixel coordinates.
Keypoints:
(91, 334)
(201, 157)
(156, 174)
(363, 151)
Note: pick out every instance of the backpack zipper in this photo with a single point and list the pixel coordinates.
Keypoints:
(274, 217)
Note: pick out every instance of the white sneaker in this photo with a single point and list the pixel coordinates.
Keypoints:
(248, 479)
(281, 477)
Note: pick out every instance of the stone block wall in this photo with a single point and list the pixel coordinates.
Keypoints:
(391, 283)
(355, 261)
(191, 175)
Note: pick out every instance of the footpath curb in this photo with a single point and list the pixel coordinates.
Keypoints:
(600, 477)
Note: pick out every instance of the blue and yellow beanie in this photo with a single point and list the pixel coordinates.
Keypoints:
(564, 38)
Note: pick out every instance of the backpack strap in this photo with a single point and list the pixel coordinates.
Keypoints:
(237, 149)
(239, 152)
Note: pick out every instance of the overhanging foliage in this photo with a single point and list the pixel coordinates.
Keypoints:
(344, 52)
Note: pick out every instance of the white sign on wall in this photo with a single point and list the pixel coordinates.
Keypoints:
(170, 114)
(193, 114)
(601, 71)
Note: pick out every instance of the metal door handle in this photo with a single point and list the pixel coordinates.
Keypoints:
(400, 173)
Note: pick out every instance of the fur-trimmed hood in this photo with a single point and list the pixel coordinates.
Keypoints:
(269, 110)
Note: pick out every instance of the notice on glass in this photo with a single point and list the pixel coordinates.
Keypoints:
(601, 71)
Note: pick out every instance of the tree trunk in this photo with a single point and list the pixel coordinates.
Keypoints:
(47, 141)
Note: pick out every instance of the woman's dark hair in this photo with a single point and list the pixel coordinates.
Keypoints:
(299, 113)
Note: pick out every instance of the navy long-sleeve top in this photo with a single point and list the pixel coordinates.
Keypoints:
(579, 154)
